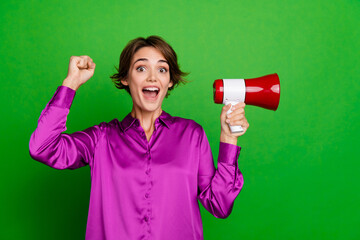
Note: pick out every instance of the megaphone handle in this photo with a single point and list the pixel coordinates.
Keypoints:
(234, 129)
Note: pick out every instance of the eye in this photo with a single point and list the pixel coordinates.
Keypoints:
(140, 69)
(163, 70)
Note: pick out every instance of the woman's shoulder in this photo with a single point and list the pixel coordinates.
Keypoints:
(104, 125)
(186, 122)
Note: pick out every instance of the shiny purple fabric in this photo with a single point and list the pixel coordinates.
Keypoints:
(141, 189)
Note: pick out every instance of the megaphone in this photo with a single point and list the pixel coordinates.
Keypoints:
(262, 92)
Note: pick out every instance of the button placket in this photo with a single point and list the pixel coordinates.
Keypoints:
(147, 194)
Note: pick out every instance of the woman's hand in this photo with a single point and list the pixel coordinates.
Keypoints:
(237, 117)
(81, 69)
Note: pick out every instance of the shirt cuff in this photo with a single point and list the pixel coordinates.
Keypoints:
(63, 97)
(228, 153)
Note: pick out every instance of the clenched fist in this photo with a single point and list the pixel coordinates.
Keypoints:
(81, 69)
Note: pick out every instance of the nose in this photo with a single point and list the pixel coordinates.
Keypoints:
(152, 76)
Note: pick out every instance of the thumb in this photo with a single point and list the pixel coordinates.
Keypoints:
(224, 111)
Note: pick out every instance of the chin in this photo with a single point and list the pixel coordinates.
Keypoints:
(149, 106)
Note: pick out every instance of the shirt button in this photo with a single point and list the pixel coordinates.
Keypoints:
(146, 195)
(148, 171)
(146, 218)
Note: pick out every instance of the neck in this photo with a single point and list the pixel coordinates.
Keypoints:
(147, 119)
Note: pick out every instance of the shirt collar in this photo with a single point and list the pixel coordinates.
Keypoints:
(165, 118)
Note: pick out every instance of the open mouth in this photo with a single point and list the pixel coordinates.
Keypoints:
(151, 92)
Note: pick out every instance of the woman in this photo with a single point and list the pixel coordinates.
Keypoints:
(149, 170)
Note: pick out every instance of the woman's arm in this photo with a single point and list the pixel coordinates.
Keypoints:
(47, 143)
(61, 150)
(219, 187)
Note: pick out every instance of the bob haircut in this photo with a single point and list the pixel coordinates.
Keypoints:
(176, 75)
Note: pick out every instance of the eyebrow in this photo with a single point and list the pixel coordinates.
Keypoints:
(145, 59)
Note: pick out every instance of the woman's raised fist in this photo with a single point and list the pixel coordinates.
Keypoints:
(81, 69)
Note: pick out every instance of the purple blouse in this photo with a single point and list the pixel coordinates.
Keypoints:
(141, 189)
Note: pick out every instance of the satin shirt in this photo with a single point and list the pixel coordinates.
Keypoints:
(141, 189)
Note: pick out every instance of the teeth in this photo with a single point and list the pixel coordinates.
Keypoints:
(151, 89)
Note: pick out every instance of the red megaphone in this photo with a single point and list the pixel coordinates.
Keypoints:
(262, 92)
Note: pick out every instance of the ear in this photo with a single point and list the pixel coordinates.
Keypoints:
(171, 84)
(124, 82)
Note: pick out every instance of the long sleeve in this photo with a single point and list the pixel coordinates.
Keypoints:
(219, 187)
(61, 150)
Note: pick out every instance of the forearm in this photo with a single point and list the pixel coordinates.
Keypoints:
(47, 144)
(219, 187)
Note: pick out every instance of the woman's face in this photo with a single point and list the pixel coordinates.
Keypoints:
(148, 79)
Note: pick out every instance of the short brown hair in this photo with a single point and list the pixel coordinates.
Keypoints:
(176, 75)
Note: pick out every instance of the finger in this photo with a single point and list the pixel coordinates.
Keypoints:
(237, 118)
(84, 62)
(241, 123)
(225, 108)
(239, 105)
(239, 111)
(223, 115)
(236, 114)
(81, 63)
(91, 64)
(244, 123)
(89, 60)
(85, 57)
(236, 121)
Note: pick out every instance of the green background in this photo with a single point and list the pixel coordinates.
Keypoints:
(300, 163)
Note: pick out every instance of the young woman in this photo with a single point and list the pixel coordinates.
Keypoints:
(149, 170)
